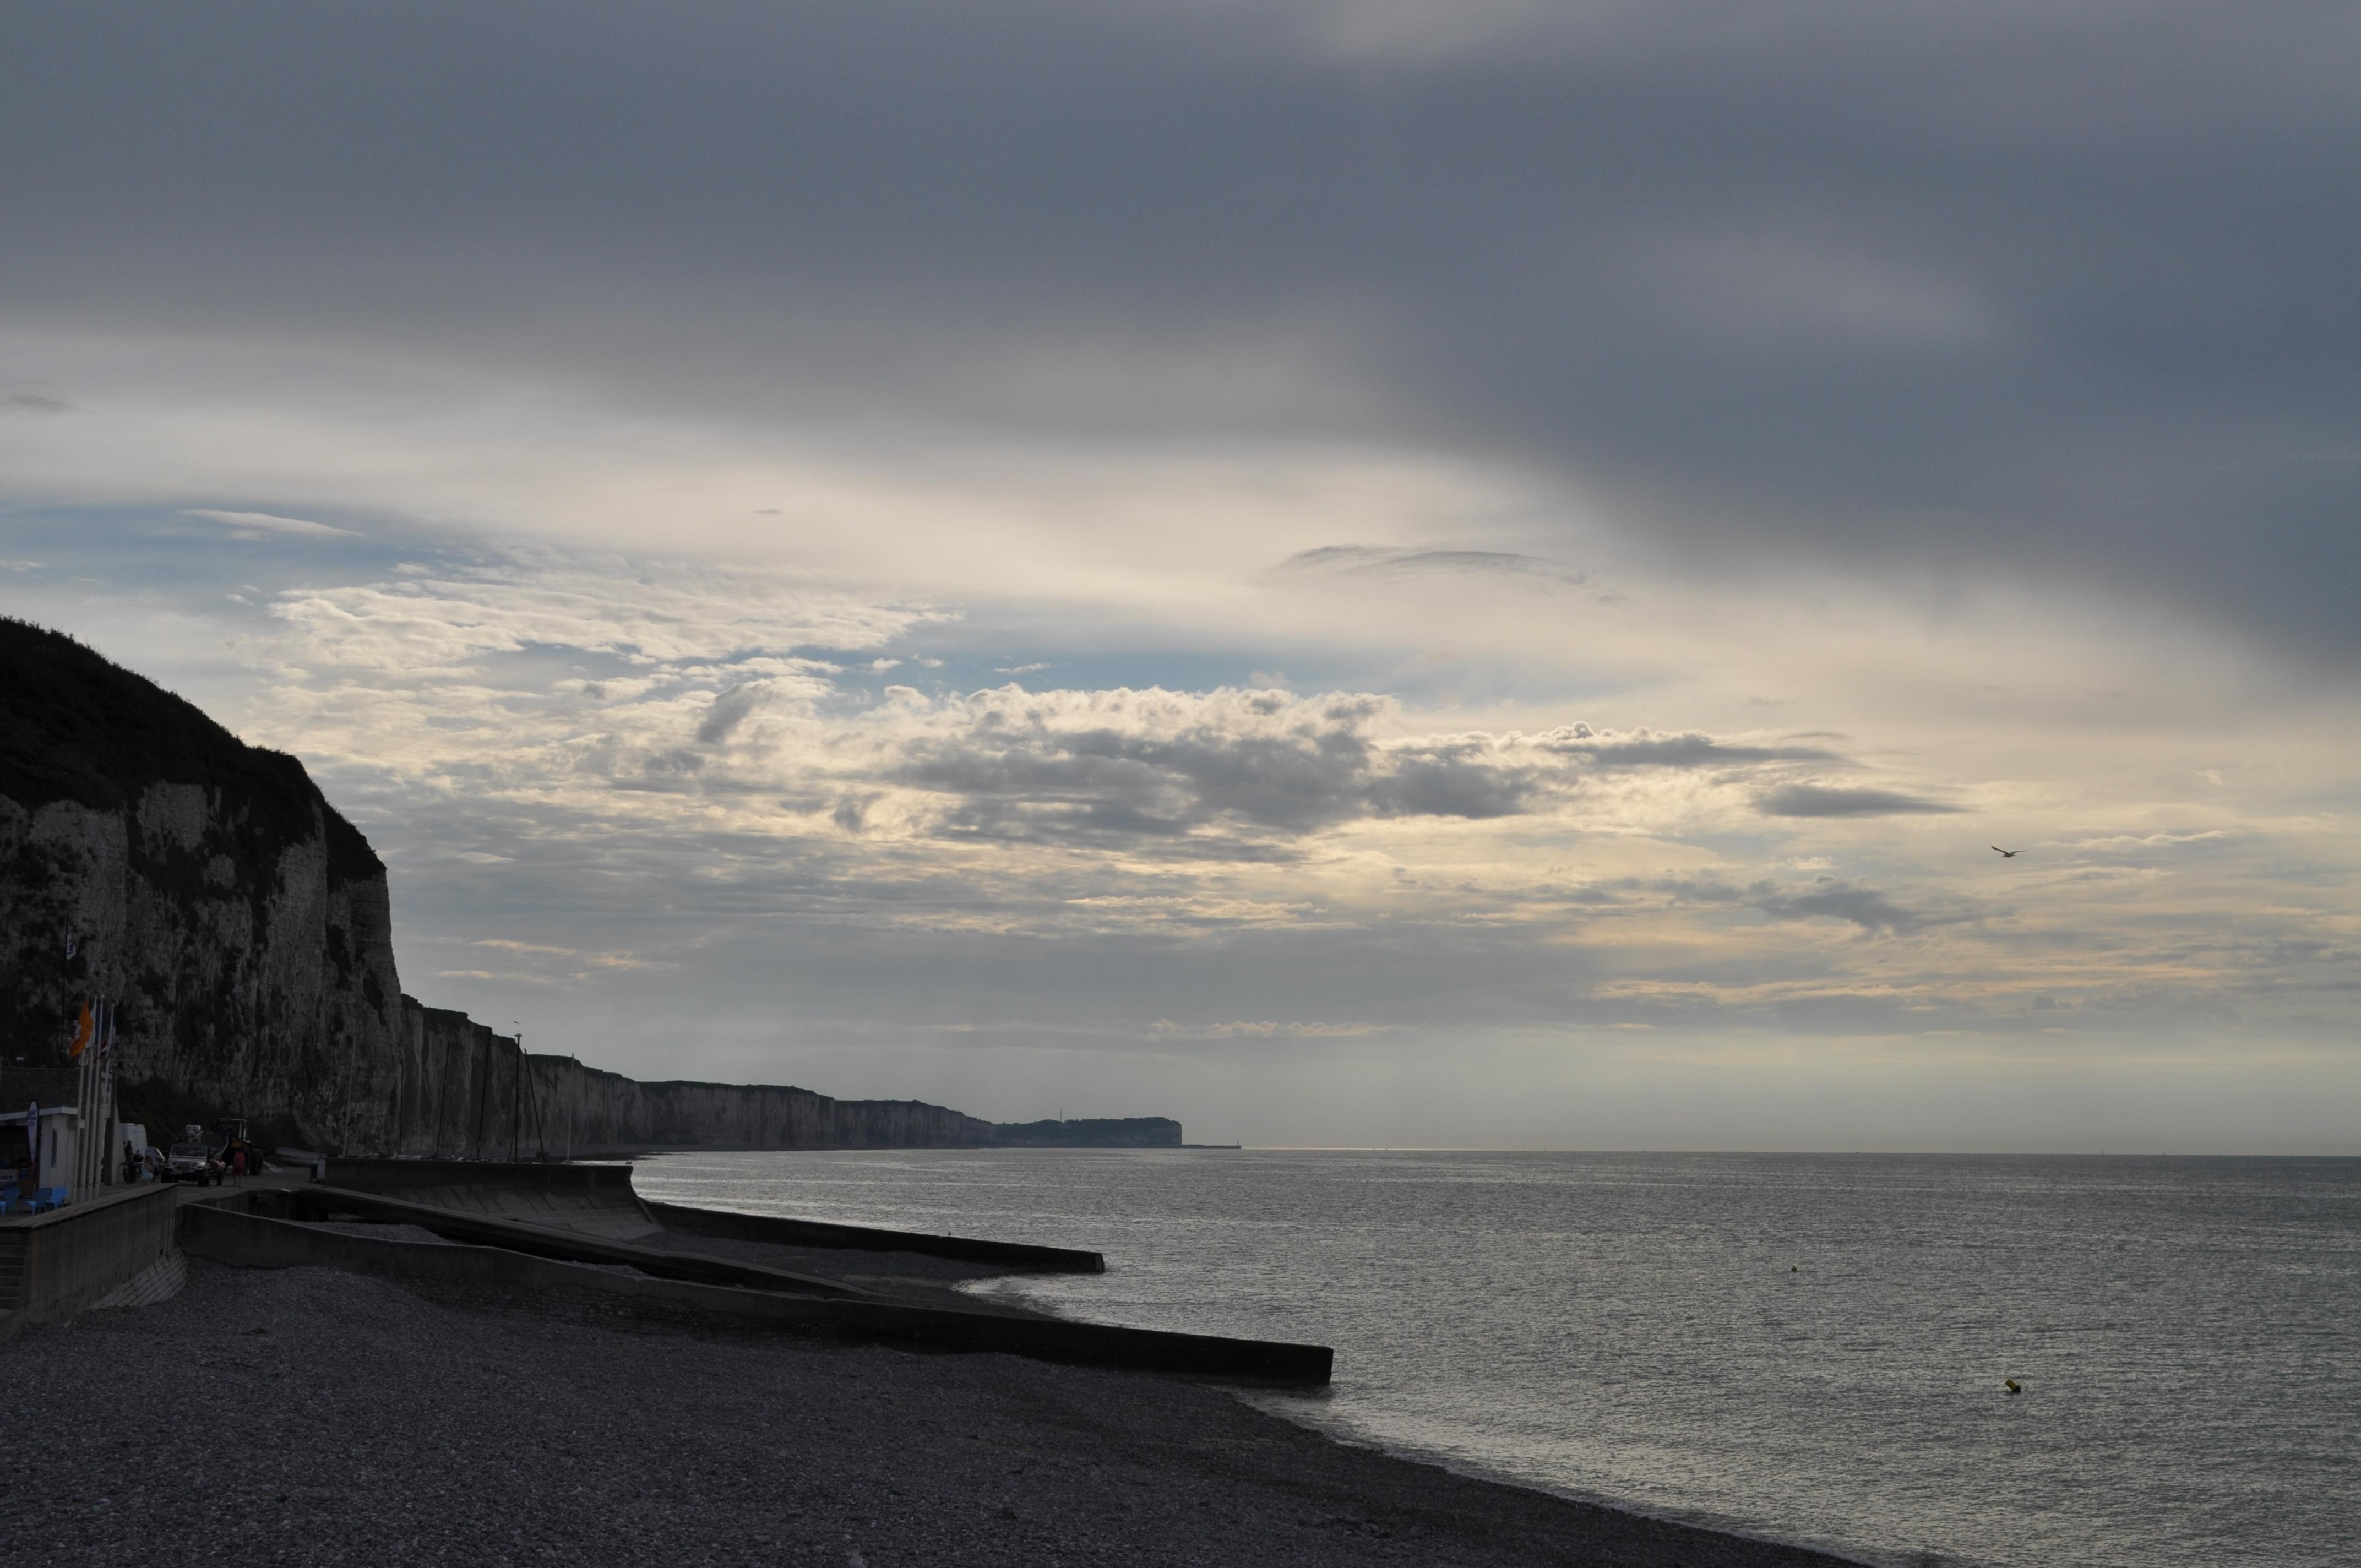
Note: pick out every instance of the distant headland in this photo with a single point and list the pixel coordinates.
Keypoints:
(241, 928)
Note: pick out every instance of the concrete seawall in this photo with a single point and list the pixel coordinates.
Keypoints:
(53, 1266)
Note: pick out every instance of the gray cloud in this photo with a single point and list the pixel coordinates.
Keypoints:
(1373, 560)
(1654, 749)
(1831, 899)
(1823, 800)
(1039, 781)
(729, 711)
(1450, 780)
(1059, 766)
(34, 403)
(1825, 898)
(2033, 291)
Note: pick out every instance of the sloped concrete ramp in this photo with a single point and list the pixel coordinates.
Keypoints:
(594, 1200)
(598, 1199)
(317, 1204)
(496, 1262)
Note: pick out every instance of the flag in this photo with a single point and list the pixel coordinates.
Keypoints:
(84, 1027)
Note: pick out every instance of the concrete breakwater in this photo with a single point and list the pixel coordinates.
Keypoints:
(520, 1237)
(599, 1200)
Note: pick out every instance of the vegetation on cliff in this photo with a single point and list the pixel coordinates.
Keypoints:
(169, 899)
(75, 726)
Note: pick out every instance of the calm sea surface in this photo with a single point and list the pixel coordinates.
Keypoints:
(1810, 1347)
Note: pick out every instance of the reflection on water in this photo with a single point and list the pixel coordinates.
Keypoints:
(1814, 1347)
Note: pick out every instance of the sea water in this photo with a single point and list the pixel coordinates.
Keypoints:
(1813, 1348)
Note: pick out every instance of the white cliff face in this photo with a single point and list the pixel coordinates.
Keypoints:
(469, 1092)
(240, 929)
(242, 971)
(246, 971)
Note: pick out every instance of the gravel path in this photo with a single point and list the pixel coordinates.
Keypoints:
(308, 1417)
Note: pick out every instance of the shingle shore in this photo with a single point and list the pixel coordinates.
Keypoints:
(308, 1416)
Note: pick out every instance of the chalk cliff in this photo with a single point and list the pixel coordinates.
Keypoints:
(242, 928)
(238, 923)
(468, 1090)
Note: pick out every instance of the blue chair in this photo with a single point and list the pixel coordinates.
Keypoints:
(7, 1199)
(47, 1198)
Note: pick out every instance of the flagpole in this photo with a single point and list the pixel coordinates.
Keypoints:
(102, 1170)
(80, 1180)
(85, 1030)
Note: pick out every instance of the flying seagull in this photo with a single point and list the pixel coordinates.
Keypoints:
(2005, 854)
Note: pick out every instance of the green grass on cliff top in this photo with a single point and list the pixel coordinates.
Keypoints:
(75, 727)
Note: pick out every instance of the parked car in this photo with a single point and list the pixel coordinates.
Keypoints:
(191, 1162)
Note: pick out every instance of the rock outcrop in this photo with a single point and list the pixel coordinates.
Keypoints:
(238, 923)
(242, 929)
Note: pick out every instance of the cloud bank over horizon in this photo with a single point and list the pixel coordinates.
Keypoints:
(1371, 571)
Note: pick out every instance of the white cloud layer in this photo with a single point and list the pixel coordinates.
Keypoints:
(255, 524)
(610, 784)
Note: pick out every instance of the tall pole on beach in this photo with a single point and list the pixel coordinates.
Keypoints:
(533, 1088)
(516, 1095)
(483, 1091)
(442, 1100)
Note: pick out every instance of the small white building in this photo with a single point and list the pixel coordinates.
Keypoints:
(58, 1139)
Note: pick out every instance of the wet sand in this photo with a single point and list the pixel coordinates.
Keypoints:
(308, 1416)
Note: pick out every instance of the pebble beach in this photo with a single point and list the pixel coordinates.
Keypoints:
(309, 1415)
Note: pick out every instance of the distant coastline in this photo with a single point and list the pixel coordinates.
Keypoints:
(239, 933)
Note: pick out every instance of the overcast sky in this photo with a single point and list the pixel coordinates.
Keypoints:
(1457, 572)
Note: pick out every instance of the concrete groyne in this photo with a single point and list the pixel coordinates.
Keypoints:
(599, 1200)
(488, 1260)
(493, 1277)
(782, 1232)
